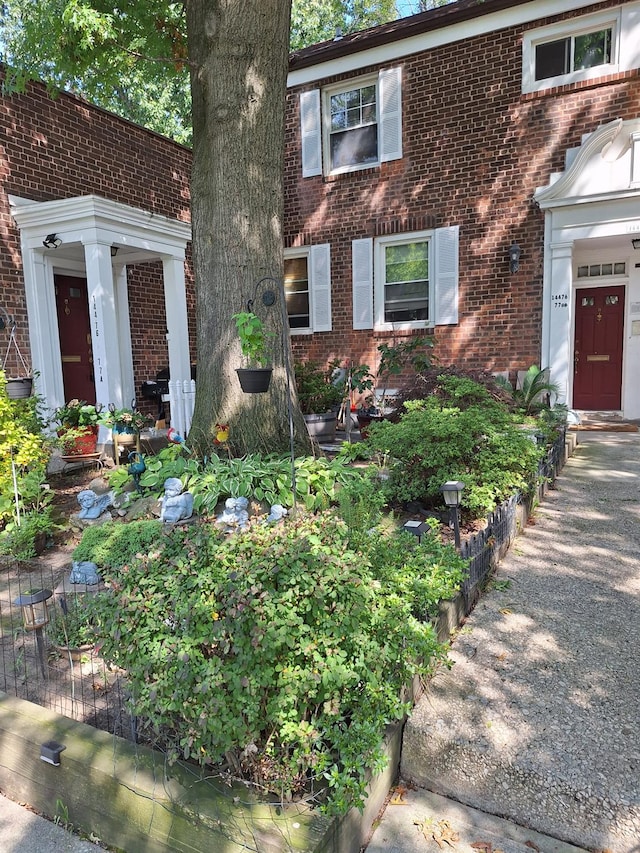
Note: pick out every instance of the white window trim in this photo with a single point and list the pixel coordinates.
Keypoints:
(317, 257)
(345, 86)
(380, 245)
(566, 29)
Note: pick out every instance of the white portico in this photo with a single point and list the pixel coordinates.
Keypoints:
(97, 239)
(592, 215)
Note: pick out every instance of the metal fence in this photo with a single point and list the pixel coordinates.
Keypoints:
(485, 549)
(73, 682)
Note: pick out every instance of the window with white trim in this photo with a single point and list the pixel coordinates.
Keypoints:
(307, 286)
(406, 281)
(352, 125)
(584, 48)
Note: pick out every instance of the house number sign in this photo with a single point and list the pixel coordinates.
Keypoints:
(98, 364)
(560, 300)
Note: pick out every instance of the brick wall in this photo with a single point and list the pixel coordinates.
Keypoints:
(474, 151)
(64, 147)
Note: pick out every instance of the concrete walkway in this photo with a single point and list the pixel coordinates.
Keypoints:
(22, 831)
(538, 721)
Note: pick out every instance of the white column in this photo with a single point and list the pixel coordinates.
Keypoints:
(44, 339)
(175, 300)
(560, 316)
(124, 336)
(107, 362)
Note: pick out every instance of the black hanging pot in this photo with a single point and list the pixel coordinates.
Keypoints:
(254, 380)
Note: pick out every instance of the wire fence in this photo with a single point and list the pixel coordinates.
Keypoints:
(73, 681)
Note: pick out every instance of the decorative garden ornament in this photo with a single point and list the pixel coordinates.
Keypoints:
(176, 505)
(234, 517)
(85, 572)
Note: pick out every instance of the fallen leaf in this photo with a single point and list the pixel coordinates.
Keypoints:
(532, 846)
(505, 611)
(486, 846)
(397, 796)
(503, 656)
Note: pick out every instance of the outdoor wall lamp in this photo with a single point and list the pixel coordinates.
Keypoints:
(452, 493)
(51, 241)
(514, 257)
(636, 242)
(114, 251)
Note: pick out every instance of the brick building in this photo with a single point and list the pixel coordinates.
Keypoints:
(472, 172)
(421, 153)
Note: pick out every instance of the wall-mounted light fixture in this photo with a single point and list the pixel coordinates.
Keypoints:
(636, 242)
(51, 241)
(114, 251)
(514, 257)
(452, 494)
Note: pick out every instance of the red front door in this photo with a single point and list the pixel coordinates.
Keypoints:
(597, 373)
(72, 304)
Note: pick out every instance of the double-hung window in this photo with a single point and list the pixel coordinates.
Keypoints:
(307, 287)
(355, 124)
(406, 281)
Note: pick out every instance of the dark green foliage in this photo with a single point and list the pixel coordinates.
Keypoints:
(533, 393)
(317, 393)
(281, 652)
(115, 544)
(458, 433)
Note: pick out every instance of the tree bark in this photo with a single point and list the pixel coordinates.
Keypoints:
(239, 55)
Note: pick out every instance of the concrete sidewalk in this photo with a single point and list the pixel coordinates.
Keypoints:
(538, 721)
(23, 831)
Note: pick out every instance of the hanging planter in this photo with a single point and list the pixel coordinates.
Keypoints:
(20, 387)
(254, 380)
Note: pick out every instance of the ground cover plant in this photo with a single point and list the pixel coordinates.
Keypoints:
(263, 478)
(278, 655)
(459, 432)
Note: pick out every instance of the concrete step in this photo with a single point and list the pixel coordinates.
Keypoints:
(416, 821)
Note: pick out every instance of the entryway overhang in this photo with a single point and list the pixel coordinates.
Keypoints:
(98, 238)
(592, 210)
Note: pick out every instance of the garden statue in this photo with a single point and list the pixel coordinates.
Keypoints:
(93, 505)
(136, 467)
(234, 516)
(93, 509)
(277, 513)
(84, 572)
(176, 505)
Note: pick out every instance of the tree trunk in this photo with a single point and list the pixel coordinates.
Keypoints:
(239, 55)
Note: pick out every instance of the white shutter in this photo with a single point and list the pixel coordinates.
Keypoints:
(446, 278)
(311, 133)
(390, 92)
(362, 282)
(320, 287)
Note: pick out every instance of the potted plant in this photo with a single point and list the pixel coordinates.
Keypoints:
(26, 537)
(256, 377)
(78, 431)
(394, 359)
(320, 397)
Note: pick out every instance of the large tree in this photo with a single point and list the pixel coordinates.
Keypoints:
(236, 53)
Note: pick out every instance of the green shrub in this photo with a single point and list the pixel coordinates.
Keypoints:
(74, 623)
(115, 544)
(282, 651)
(19, 539)
(460, 433)
(21, 443)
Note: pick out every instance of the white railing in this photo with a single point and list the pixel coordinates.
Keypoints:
(182, 397)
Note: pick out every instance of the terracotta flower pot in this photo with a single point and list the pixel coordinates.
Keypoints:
(79, 443)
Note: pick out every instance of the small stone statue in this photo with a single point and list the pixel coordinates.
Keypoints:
(277, 513)
(175, 505)
(234, 516)
(84, 572)
(93, 505)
